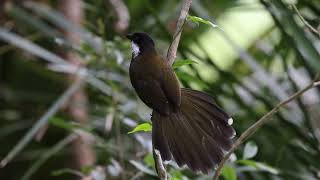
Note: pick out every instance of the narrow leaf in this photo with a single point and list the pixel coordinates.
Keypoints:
(180, 63)
(67, 125)
(248, 162)
(267, 168)
(61, 123)
(64, 171)
(146, 127)
(196, 19)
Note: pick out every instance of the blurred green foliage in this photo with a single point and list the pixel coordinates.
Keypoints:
(263, 53)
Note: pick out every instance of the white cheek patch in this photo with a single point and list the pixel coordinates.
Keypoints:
(135, 49)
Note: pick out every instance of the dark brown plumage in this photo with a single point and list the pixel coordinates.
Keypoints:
(187, 124)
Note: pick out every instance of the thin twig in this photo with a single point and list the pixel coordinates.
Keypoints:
(172, 51)
(266, 118)
(305, 21)
(161, 170)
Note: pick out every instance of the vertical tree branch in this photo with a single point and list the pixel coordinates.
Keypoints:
(84, 155)
(171, 55)
(172, 51)
(258, 124)
(161, 170)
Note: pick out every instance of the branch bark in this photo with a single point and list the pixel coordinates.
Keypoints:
(257, 125)
(171, 55)
(161, 170)
(172, 51)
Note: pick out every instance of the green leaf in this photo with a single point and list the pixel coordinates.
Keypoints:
(146, 127)
(63, 172)
(180, 63)
(69, 126)
(176, 174)
(250, 150)
(229, 173)
(87, 169)
(267, 168)
(148, 160)
(197, 20)
(248, 162)
(61, 123)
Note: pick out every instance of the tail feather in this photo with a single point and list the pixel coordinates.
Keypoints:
(196, 135)
(206, 134)
(208, 108)
(207, 102)
(218, 131)
(159, 139)
(177, 141)
(196, 158)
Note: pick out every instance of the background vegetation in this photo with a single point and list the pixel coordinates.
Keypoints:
(66, 103)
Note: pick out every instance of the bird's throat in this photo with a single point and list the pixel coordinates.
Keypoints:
(135, 49)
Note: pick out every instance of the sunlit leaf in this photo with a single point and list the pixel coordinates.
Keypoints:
(146, 127)
(180, 63)
(196, 19)
(229, 173)
(250, 150)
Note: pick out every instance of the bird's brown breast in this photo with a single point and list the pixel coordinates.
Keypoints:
(155, 82)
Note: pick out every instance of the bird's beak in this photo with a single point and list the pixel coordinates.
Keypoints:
(129, 36)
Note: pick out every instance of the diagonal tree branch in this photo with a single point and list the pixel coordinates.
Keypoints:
(172, 51)
(257, 125)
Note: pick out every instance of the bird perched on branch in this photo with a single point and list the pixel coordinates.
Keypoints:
(186, 124)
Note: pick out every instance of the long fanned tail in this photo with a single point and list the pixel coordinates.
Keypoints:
(196, 135)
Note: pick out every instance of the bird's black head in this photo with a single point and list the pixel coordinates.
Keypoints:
(141, 42)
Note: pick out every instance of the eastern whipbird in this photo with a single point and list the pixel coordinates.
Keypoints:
(187, 125)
